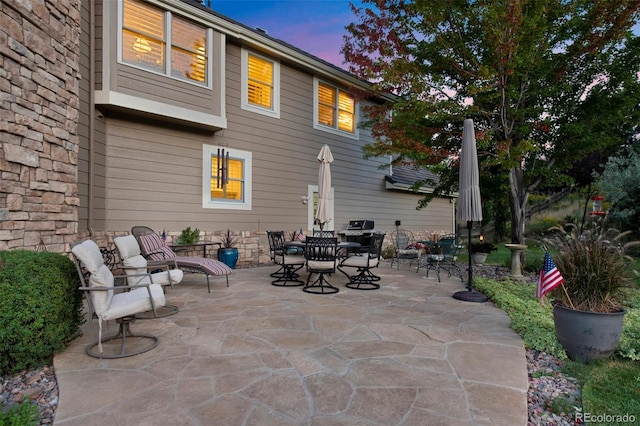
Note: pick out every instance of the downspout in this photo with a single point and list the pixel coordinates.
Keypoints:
(92, 114)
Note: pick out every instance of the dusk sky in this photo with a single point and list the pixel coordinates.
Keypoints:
(314, 26)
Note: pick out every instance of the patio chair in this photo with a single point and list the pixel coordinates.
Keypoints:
(450, 251)
(431, 258)
(287, 275)
(364, 262)
(121, 303)
(137, 267)
(323, 233)
(403, 249)
(322, 257)
(153, 248)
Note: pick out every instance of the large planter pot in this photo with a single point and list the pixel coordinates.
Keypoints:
(228, 256)
(587, 336)
(479, 258)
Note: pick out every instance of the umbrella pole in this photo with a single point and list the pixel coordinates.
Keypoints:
(470, 295)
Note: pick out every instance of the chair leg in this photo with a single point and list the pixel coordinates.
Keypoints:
(124, 331)
(320, 285)
(363, 280)
(289, 277)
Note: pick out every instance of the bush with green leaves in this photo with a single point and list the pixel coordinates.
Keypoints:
(188, 236)
(25, 414)
(40, 308)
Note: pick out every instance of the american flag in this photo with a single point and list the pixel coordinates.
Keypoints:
(550, 277)
(164, 237)
(301, 235)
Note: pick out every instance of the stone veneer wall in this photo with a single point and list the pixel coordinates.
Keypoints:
(253, 246)
(39, 89)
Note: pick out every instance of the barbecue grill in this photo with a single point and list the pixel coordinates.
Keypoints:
(358, 231)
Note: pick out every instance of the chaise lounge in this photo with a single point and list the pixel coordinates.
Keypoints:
(153, 247)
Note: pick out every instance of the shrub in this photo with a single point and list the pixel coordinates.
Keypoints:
(40, 308)
(25, 414)
(188, 236)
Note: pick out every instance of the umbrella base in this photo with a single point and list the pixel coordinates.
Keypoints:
(470, 296)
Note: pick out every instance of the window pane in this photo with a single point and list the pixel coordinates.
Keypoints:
(346, 106)
(326, 95)
(143, 38)
(234, 188)
(260, 81)
(325, 115)
(188, 50)
(345, 121)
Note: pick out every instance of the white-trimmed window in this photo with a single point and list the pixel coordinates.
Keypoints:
(260, 84)
(226, 178)
(335, 109)
(150, 35)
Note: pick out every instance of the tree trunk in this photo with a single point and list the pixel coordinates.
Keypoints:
(518, 197)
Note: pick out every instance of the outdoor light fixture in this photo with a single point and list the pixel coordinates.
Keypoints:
(222, 175)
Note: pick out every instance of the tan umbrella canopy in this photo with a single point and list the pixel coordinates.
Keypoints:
(323, 212)
(469, 205)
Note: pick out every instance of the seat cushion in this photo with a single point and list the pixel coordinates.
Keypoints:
(162, 278)
(89, 254)
(101, 300)
(205, 265)
(319, 265)
(153, 247)
(290, 260)
(127, 246)
(133, 302)
(360, 262)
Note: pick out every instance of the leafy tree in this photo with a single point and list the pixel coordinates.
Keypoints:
(534, 75)
(620, 183)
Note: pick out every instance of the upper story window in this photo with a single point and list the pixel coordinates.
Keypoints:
(150, 35)
(227, 178)
(260, 84)
(335, 109)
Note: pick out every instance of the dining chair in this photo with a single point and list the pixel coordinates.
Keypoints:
(364, 262)
(322, 257)
(287, 275)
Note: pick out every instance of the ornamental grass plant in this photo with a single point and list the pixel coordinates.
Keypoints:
(594, 266)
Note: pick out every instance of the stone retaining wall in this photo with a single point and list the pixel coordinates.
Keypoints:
(39, 92)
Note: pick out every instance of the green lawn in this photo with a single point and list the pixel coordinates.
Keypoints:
(610, 387)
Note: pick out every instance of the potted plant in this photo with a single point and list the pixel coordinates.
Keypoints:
(588, 306)
(480, 251)
(188, 236)
(228, 252)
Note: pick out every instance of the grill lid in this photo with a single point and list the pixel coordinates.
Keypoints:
(360, 224)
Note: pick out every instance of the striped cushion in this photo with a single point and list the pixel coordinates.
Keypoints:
(208, 266)
(153, 247)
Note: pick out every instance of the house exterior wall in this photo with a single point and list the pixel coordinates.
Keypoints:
(39, 87)
(138, 168)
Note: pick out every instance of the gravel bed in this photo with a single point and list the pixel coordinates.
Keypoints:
(549, 389)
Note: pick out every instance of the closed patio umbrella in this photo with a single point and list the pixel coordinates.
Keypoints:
(469, 205)
(323, 212)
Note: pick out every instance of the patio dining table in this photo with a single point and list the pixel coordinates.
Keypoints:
(346, 246)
